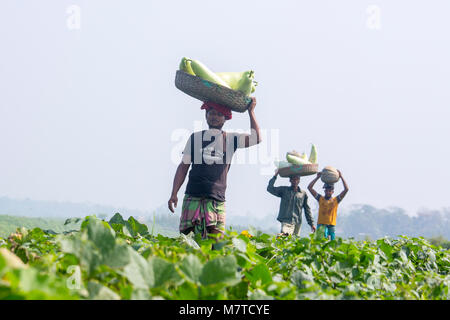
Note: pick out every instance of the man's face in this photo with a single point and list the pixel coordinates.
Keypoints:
(328, 192)
(294, 181)
(215, 119)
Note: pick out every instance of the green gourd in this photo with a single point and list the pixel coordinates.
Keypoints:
(296, 160)
(240, 81)
(185, 65)
(313, 154)
(203, 72)
(245, 84)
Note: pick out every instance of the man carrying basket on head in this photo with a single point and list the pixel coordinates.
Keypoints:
(293, 200)
(210, 153)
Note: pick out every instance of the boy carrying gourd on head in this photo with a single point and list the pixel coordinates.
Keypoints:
(328, 205)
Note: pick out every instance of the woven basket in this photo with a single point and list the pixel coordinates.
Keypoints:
(300, 170)
(204, 90)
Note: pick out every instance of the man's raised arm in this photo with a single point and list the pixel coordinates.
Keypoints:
(254, 137)
(276, 191)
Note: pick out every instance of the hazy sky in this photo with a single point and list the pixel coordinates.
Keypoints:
(89, 110)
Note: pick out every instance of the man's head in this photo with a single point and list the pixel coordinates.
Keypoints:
(329, 190)
(215, 119)
(295, 180)
(216, 114)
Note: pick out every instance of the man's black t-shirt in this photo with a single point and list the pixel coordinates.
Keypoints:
(211, 159)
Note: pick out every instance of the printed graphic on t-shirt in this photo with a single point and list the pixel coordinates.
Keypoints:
(207, 147)
(210, 160)
(212, 155)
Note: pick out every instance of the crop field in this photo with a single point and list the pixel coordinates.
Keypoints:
(123, 259)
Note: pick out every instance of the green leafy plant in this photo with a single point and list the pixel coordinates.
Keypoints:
(120, 259)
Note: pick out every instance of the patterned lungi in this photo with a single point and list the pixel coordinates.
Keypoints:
(202, 215)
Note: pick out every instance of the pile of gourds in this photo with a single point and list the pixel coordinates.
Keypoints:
(295, 158)
(239, 81)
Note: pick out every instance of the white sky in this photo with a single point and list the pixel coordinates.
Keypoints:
(89, 114)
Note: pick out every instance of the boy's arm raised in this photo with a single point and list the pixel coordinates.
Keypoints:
(311, 185)
(343, 193)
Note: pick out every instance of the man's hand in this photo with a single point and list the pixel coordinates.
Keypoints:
(173, 201)
(313, 229)
(319, 174)
(252, 106)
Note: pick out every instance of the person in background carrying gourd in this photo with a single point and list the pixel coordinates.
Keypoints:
(293, 200)
(210, 153)
(328, 205)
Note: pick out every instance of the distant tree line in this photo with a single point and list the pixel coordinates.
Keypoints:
(359, 222)
(367, 221)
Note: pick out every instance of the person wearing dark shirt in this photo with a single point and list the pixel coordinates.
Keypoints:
(293, 200)
(209, 153)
